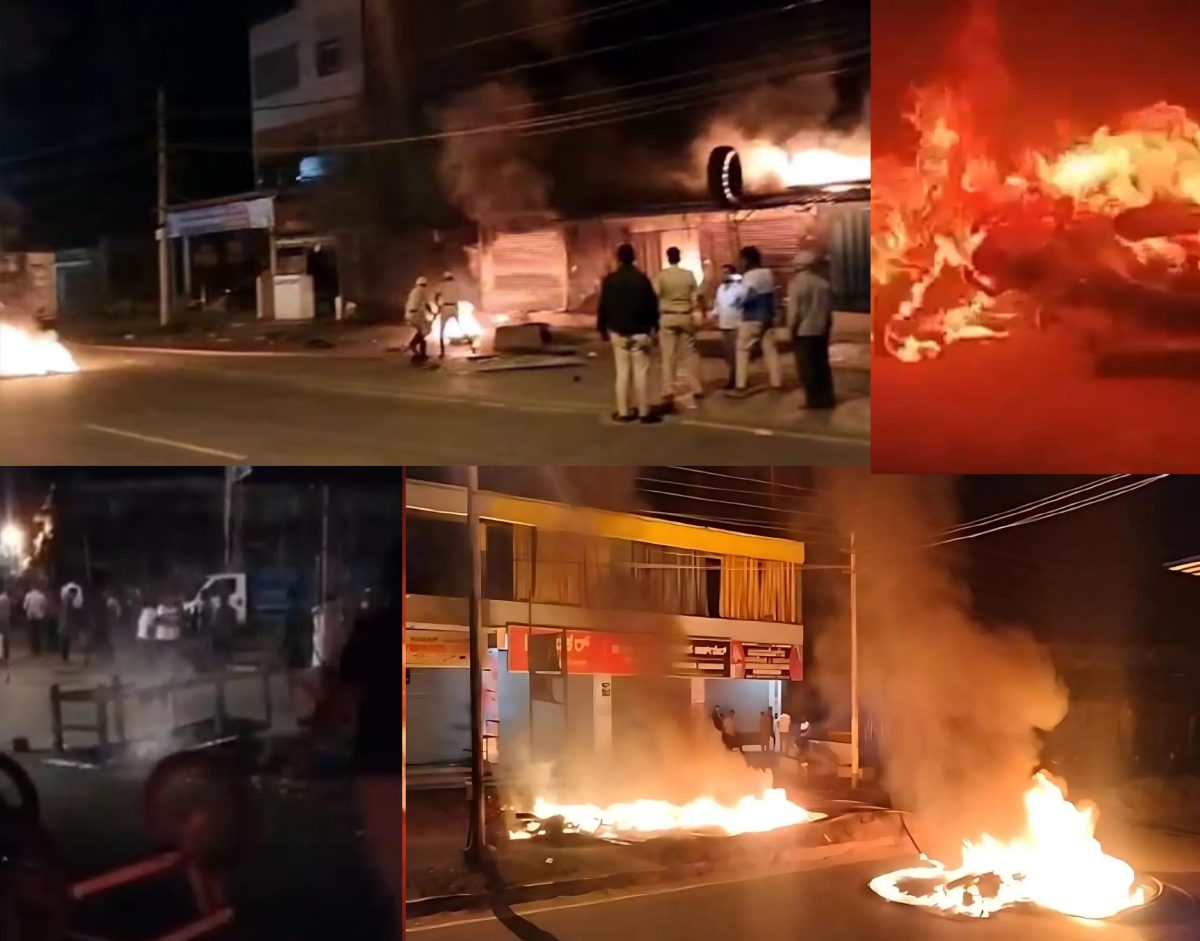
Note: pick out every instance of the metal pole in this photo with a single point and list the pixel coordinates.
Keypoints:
(476, 833)
(228, 517)
(324, 549)
(164, 245)
(855, 769)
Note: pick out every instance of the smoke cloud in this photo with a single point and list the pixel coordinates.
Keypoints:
(957, 704)
(493, 177)
(791, 115)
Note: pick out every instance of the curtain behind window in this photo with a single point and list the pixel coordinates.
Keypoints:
(757, 590)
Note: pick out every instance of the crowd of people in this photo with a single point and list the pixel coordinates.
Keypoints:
(636, 311)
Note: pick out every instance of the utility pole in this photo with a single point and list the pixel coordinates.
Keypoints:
(229, 474)
(324, 549)
(855, 764)
(164, 244)
(476, 832)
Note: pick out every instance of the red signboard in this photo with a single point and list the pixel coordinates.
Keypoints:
(588, 652)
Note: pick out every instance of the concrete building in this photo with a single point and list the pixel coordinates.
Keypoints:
(709, 617)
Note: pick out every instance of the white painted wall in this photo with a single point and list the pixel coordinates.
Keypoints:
(310, 22)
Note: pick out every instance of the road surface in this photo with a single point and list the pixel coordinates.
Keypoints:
(158, 408)
(831, 904)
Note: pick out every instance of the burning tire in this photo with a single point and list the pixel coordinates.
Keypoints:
(725, 183)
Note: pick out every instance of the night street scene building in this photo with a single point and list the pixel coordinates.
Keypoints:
(277, 176)
(721, 682)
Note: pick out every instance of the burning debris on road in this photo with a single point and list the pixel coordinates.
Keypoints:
(640, 819)
(1057, 864)
(25, 352)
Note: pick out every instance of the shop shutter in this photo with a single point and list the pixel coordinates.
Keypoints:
(850, 258)
(526, 272)
(776, 233)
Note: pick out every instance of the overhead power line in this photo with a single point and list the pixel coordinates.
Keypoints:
(1057, 511)
(707, 472)
(1053, 498)
(114, 133)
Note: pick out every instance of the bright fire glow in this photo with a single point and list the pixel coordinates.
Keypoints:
(465, 326)
(26, 353)
(750, 814)
(1046, 223)
(813, 166)
(1056, 864)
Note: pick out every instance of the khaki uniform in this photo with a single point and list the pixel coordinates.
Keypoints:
(678, 295)
(631, 356)
(447, 305)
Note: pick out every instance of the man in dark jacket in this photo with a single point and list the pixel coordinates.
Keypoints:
(628, 318)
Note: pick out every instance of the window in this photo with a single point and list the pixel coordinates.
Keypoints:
(277, 71)
(329, 57)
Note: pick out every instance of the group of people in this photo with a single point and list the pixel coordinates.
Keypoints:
(426, 306)
(634, 310)
(57, 623)
(774, 731)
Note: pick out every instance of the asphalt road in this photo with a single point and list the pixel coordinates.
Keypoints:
(832, 904)
(151, 408)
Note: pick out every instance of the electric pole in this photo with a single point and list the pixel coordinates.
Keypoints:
(164, 244)
(477, 832)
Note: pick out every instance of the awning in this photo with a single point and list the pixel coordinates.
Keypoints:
(227, 216)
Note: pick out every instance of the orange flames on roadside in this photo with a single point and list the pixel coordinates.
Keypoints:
(1057, 864)
(963, 245)
(751, 814)
(25, 352)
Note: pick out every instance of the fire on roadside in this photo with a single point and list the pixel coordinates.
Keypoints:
(25, 352)
(966, 241)
(769, 810)
(1056, 864)
(465, 327)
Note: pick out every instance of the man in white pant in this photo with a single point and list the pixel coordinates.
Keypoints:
(627, 318)
(678, 295)
(758, 321)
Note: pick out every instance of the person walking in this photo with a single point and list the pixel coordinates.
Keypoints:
(628, 318)
(36, 607)
(678, 298)
(758, 322)
(766, 730)
(729, 305)
(417, 311)
(224, 630)
(809, 322)
(147, 623)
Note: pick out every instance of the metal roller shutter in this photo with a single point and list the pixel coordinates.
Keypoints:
(526, 272)
(850, 259)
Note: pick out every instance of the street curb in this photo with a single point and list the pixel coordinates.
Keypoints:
(544, 891)
(230, 354)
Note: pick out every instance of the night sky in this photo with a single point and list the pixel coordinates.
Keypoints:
(78, 78)
(1092, 575)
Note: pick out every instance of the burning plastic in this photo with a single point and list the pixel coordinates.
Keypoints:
(1057, 864)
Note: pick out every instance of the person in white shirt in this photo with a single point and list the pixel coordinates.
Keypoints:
(729, 303)
(784, 725)
(37, 609)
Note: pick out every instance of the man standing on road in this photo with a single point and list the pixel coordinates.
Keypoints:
(628, 318)
(809, 321)
(784, 725)
(36, 607)
(417, 312)
(70, 619)
(759, 321)
(678, 297)
(730, 303)
(447, 304)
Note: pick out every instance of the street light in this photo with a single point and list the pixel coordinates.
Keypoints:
(12, 539)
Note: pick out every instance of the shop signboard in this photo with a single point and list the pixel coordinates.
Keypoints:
(425, 648)
(704, 656)
(767, 661)
(588, 652)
